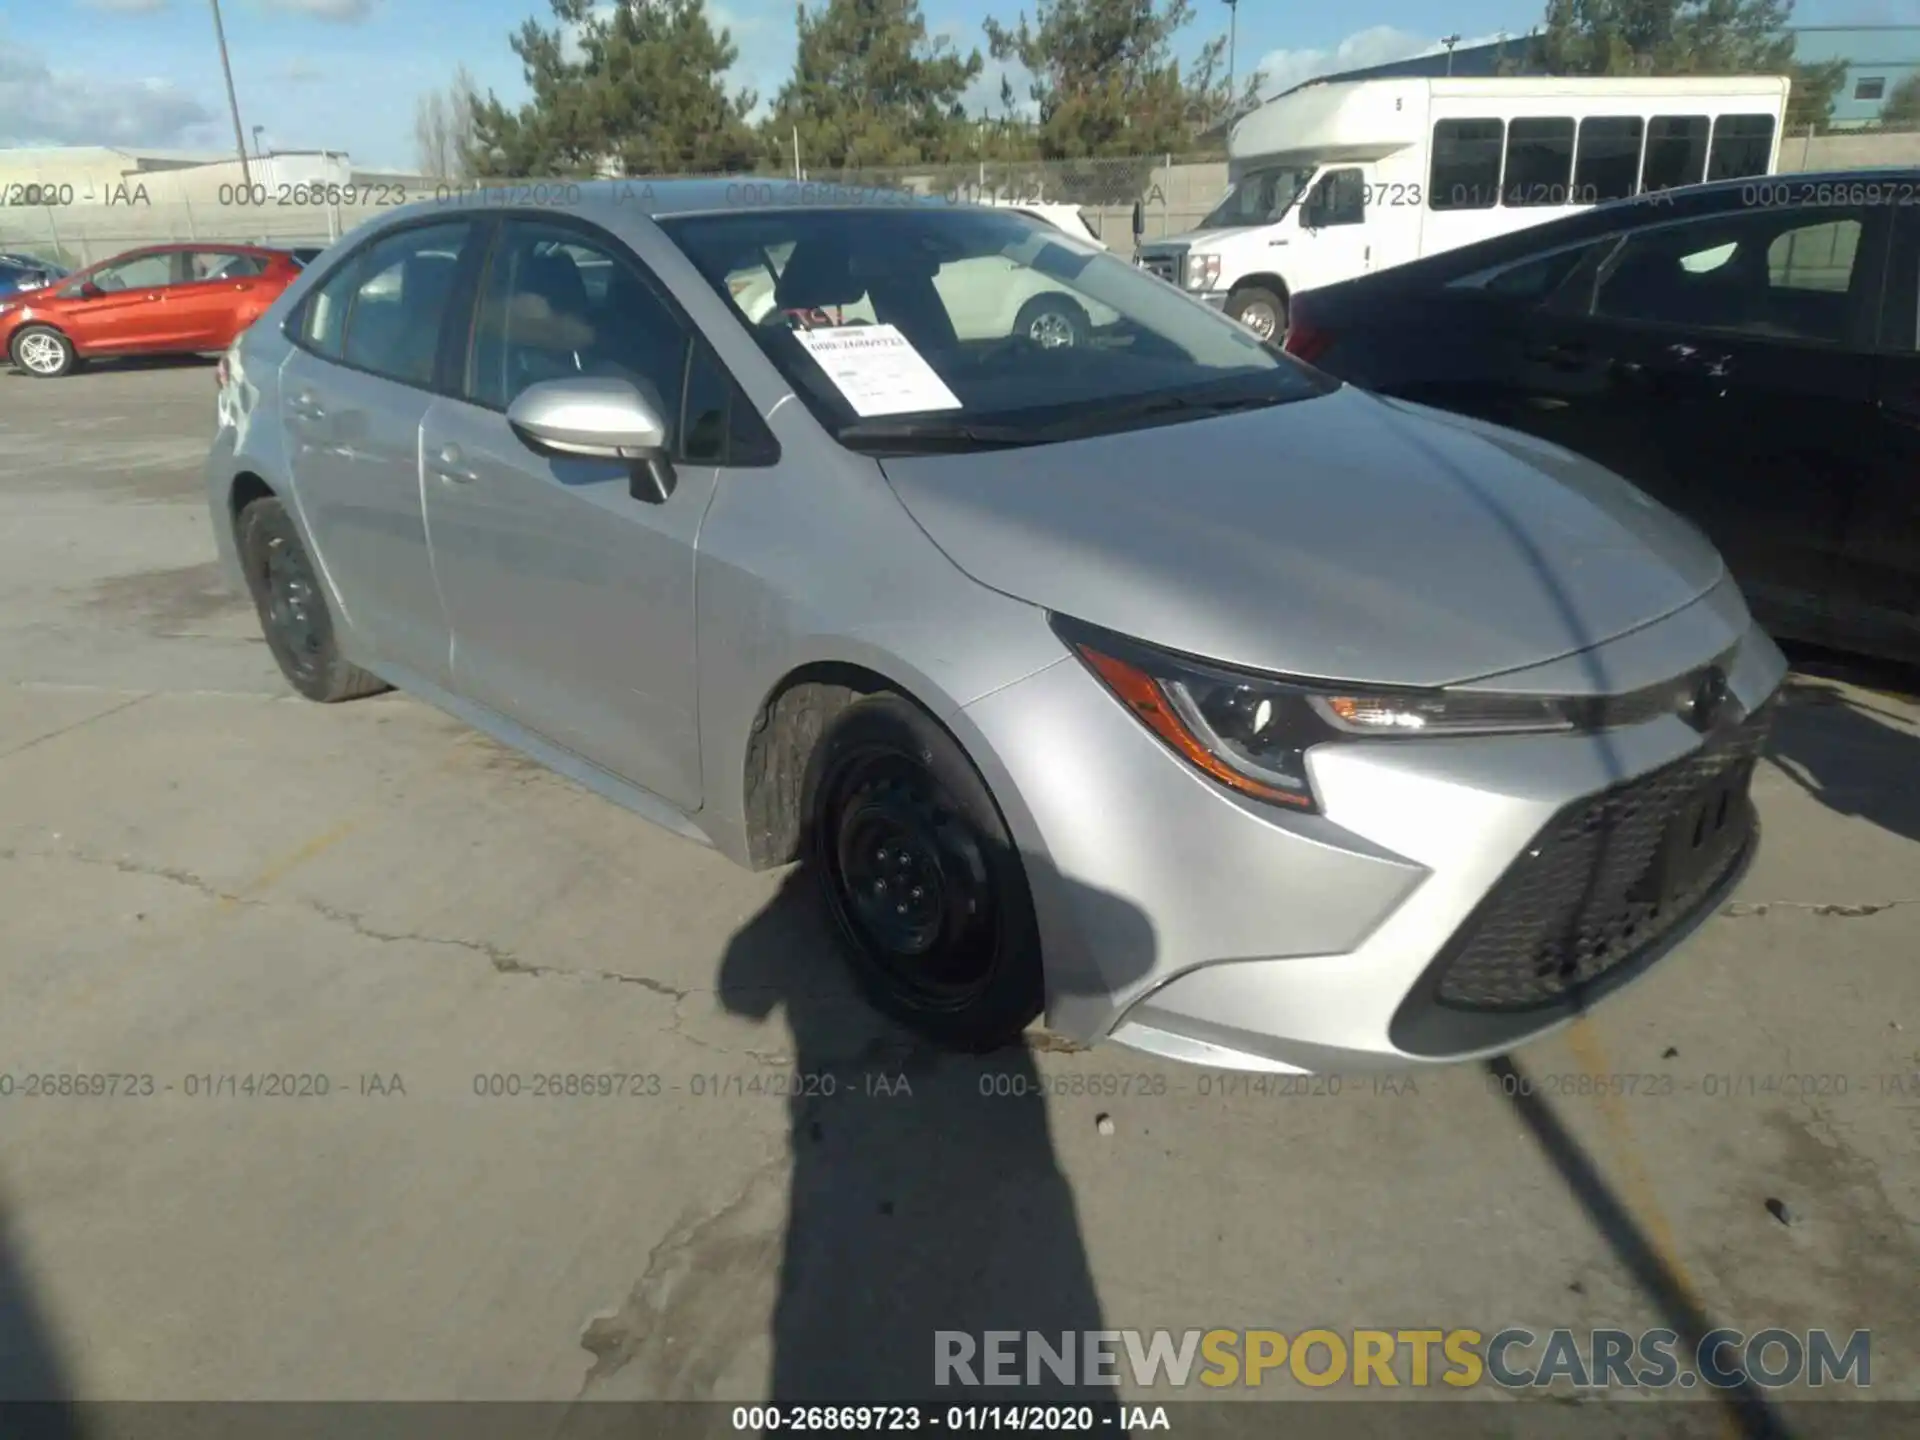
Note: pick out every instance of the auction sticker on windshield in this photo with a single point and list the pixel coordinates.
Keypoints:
(877, 370)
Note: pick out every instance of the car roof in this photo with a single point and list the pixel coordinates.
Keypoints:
(662, 199)
(1685, 202)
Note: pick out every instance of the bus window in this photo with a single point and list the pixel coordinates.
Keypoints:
(1607, 164)
(1539, 163)
(1676, 151)
(1742, 145)
(1466, 164)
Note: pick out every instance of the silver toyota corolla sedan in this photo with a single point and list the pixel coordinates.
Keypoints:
(1127, 671)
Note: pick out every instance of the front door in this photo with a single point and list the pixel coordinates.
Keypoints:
(571, 599)
(1721, 364)
(1880, 607)
(353, 392)
(1331, 242)
(126, 316)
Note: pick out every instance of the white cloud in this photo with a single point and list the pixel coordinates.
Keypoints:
(1377, 45)
(126, 7)
(338, 12)
(40, 107)
(301, 72)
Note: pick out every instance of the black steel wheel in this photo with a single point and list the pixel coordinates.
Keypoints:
(922, 879)
(292, 605)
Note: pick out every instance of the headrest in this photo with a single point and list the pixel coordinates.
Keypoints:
(817, 276)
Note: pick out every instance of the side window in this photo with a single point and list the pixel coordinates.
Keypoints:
(709, 397)
(1742, 145)
(1900, 316)
(1773, 274)
(1340, 198)
(1607, 160)
(399, 301)
(221, 265)
(1539, 277)
(323, 314)
(1465, 173)
(1814, 257)
(143, 272)
(1539, 162)
(540, 319)
(1676, 151)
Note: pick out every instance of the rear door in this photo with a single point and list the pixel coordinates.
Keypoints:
(126, 316)
(212, 288)
(1879, 609)
(369, 346)
(1723, 363)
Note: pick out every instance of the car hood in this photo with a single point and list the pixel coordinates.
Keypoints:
(1343, 537)
(1195, 239)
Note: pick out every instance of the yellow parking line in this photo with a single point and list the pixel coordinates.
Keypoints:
(279, 869)
(1584, 1041)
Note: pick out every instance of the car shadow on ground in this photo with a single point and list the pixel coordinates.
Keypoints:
(108, 365)
(35, 1390)
(942, 1209)
(1851, 749)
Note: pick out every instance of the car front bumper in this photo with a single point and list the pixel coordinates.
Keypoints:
(1410, 921)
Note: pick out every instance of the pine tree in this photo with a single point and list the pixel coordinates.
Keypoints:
(638, 90)
(870, 88)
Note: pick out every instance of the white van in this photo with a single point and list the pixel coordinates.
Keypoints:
(1337, 178)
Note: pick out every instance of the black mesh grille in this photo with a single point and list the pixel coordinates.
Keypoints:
(1605, 879)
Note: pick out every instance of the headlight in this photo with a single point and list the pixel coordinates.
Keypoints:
(1252, 732)
(1203, 271)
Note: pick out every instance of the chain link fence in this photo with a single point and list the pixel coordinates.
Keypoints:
(1174, 192)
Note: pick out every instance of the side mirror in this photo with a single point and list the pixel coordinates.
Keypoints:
(87, 290)
(599, 418)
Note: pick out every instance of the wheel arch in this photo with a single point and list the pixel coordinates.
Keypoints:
(1264, 280)
(38, 324)
(792, 717)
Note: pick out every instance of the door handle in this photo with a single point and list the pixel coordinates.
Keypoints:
(450, 465)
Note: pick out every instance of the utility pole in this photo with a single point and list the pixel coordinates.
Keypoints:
(239, 135)
(1449, 41)
(1233, 35)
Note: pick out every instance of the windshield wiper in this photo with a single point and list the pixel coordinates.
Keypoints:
(935, 432)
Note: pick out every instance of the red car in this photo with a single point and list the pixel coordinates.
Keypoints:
(157, 300)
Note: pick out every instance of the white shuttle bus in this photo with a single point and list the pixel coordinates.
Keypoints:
(1337, 178)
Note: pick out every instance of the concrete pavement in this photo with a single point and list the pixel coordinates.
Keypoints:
(209, 888)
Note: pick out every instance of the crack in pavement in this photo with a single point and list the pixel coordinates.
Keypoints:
(75, 725)
(503, 960)
(615, 1336)
(1832, 909)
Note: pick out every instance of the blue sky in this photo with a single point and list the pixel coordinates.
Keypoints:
(344, 74)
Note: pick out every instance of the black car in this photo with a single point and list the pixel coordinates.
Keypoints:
(1744, 352)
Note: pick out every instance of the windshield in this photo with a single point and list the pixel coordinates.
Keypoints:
(1261, 197)
(973, 326)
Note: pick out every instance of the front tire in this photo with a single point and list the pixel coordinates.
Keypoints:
(292, 605)
(922, 878)
(1261, 310)
(42, 352)
(1053, 322)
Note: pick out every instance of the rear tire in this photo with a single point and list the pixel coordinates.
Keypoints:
(1261, 310)
(921, 877)
(42, 352)
(292, 605)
